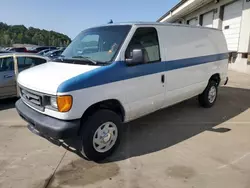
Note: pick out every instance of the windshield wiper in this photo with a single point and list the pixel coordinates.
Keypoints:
(84, 57)
(78, 60)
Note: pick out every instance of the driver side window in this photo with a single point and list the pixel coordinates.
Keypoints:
(145, 38)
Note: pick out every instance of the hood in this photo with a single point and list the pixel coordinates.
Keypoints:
(47, 77)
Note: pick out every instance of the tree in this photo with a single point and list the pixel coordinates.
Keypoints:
(20, 34)
(19, 38)
(6, 39)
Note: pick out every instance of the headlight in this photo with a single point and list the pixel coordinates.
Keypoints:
(64, 103)
(53, 102)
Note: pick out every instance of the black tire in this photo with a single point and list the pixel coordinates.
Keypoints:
(204, 97)
(88, 132)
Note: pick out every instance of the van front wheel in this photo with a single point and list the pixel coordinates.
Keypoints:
(100, 135)
(209, 95)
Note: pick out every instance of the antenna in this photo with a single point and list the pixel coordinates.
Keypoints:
(110, 21)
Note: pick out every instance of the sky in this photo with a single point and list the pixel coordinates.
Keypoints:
(72, 16)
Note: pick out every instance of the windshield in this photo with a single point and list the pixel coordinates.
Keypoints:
(98, 44)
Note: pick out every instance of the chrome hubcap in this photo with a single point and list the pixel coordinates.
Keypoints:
(212, 94)
(105, 137)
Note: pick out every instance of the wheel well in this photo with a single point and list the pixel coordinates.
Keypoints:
(111, 104)
(216, 78)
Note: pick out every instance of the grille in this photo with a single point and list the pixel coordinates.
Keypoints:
(32, 98)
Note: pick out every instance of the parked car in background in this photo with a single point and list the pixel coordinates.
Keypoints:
(6, 48)
(18, 49)
(61, 48)
(40, 48)
(53, 53)
(43, 52)
(4, 51)
(10, 65)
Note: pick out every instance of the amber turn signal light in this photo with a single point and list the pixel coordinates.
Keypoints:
(64, 103)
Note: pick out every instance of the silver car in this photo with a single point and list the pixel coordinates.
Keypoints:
(10, 65)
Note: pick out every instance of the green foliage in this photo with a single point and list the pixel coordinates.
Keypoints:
(20, 34)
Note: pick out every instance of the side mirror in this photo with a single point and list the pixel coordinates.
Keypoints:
(137, 57)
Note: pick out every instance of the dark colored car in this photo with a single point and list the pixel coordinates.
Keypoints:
(18, 49)
(43, 51)
(54, 53)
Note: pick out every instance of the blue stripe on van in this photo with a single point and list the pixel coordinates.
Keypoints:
(118, 71)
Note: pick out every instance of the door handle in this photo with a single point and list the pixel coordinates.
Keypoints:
(8, 76)
(162, 78)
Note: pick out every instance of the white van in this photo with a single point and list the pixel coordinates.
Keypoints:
(116, 73)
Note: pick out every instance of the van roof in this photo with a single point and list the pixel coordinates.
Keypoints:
(158, 24)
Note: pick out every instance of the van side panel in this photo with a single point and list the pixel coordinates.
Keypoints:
(197, 43)
(190, 56)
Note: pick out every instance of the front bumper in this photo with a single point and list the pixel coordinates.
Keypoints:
(47, 126)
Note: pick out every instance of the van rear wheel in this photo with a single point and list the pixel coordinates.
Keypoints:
(100, 135)
(209, 95)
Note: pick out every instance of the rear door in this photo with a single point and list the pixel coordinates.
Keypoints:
(7, 77)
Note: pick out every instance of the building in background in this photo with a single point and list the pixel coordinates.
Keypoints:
(231, 16)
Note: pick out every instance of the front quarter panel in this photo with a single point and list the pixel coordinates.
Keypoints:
(101, 84)
(84, 98)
